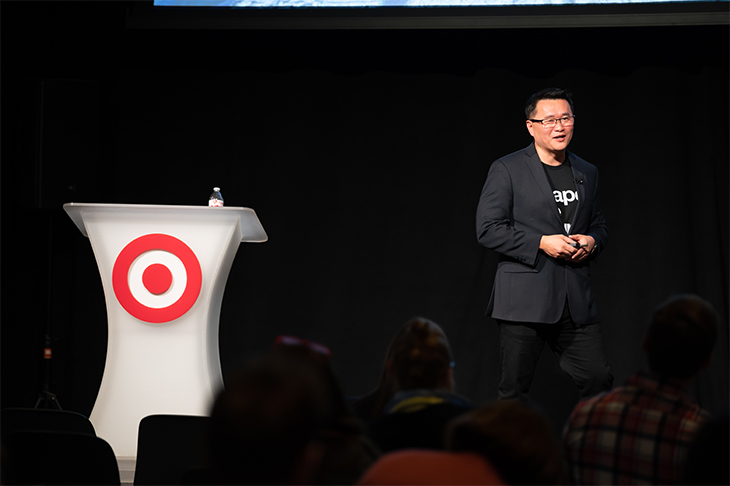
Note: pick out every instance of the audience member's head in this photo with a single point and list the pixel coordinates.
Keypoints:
(515, 438)
(264, 425)
(345, 450)
(420, 357)
(681, 336)
(425, 467)
(319, 356)
(371, 406)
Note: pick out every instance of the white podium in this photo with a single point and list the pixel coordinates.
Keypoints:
(164, 270)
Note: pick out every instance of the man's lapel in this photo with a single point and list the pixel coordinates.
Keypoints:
(578, 177)
(538, 172)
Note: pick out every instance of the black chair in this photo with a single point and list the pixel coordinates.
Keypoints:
(35, 457)
(16, 419)
(168, 446)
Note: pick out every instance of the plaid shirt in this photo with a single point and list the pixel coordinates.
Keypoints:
(635, 434)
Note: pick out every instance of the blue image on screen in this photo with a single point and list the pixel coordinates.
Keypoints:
(398, 3)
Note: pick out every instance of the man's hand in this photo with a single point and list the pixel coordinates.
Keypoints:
(586, 245)
(558, 246)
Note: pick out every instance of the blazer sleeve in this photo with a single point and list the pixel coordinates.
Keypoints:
(598, 228)
(496, 228)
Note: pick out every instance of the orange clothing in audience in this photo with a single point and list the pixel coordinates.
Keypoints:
(430, 467)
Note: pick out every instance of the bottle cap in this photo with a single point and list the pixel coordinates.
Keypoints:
(216, 189)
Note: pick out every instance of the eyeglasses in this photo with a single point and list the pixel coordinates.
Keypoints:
(566, 121)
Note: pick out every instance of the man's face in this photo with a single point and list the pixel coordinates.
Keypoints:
(556, 139)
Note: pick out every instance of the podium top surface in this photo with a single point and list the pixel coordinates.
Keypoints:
(252, 231)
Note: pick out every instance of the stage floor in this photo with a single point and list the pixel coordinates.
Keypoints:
(126, 470)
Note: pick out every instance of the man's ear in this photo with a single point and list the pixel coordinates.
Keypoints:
(448, 381)
(529, 127)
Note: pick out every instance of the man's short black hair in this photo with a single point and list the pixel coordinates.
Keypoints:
(681, 336)
(547, 94)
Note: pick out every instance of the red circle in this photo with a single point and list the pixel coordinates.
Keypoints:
(120, 277)
(157, 278)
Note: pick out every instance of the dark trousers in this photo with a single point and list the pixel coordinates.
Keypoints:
(578, 349)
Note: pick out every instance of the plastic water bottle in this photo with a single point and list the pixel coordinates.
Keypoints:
(216, 200)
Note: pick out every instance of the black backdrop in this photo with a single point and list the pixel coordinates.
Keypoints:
(363, 154)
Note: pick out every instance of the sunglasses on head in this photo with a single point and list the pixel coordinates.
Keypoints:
(295, 341)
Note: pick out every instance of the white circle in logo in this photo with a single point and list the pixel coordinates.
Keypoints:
(173, 264)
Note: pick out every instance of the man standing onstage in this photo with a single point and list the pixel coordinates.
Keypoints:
(540, 209)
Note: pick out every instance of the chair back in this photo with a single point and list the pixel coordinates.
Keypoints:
(15, 419)
(35, 457)
(168, 446)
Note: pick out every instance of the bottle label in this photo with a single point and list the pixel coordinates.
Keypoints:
(215, 203)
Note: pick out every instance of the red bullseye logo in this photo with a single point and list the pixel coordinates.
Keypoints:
(157, 278)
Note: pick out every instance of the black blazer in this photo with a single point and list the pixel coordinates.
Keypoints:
(515, 210)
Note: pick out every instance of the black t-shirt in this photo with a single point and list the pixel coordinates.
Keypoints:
(566, 195)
